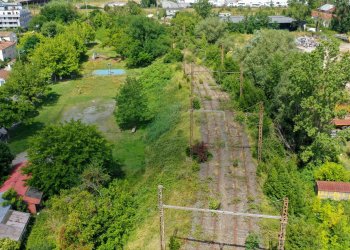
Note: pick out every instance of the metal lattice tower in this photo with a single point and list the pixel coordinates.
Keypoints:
(161, 217)
(261, 121)
(284, 221)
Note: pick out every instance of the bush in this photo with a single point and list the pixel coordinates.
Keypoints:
(252, 242)
(214, 204)
(199, 152)
(7, 244)
(196, 103)
(174, 55)
(14, 200)
(174, 243)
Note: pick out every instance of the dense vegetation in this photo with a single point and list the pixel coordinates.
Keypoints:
(59, 154)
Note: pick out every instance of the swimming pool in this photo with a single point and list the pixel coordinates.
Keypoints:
(107, 72)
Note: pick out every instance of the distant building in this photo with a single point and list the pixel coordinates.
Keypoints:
(283, 22)
(12, 15)
(324, 14)
(4, 74)
(13, 224)
(341, 123)
(172, 7)
(8, 36)
(29, 194)
(7, 50)
(334, 190)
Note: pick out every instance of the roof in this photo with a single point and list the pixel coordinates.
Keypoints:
(341, 122)
(326, 7)
(6, 44)
(17, 181)
(14, 226)
(173, 5)
(6, 33)
(4, 74)
(273, 19)
(333, 186)
(3, 210)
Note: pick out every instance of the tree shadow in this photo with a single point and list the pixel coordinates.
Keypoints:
(20, 133)
(50, 99)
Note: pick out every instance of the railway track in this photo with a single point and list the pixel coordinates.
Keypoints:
(233, 186)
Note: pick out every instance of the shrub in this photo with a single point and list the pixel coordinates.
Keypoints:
(174, 55)
(199, 152)
(16, 202)
(196, 103)
(214, 204)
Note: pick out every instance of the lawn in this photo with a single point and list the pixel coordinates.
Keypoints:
(90, 98)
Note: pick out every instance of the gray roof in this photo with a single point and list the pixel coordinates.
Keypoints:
(3, 210)
(274, 19)
(14, 225)
(173, 5)
(326, 7)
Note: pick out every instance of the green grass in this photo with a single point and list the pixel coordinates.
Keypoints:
(74, 96)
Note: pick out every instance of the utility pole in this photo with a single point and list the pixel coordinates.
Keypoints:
(284, 221)
(191, 111)
(222, 55)
(241, 81)
(161, 217)
(261, 122)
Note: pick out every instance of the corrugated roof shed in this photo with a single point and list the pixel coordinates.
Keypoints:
(333, 186)
(14, 226)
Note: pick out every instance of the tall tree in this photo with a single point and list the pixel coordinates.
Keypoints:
(59, 154)
(28, 81)
(341, 18)
(57, 57)
(203, 8)
(211, 28)
(132, 107)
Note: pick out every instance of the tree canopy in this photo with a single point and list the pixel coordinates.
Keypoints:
(59, 154)
(132, 109)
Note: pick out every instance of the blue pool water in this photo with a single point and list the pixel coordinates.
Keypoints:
(107, 72)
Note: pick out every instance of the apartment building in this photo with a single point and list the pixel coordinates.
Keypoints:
(12, 15)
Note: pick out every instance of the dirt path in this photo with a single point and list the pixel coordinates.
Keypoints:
(229, 178)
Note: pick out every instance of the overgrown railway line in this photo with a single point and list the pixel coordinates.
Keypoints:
(233, 186)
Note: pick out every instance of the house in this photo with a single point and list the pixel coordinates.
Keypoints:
(13, 224)
(29, 194)
(341, 123)
(4, 75)
(172, 7)
(334, 190)
(324, 14)
(7, 50)
(12, 15)
(283, 22)
(8, 36)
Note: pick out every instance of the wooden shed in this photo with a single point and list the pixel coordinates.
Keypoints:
(334, 190)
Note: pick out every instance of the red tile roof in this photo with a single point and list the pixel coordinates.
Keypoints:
(333, 186)
(17, 182)
(6, 44)
(4, 74)
(341, 122)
